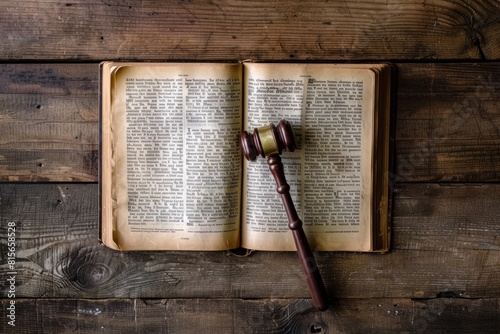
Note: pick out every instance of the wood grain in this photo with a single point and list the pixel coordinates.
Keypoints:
(48, 122)
(386, 315)
(448, 123)
(445, 242)
(447, 127)
(259, 30)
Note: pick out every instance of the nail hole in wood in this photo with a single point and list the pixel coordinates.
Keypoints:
(316, 328)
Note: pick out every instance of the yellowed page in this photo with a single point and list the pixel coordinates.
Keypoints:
(176, 172)
(331, 109)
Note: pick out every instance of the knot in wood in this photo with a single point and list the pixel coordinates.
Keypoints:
(88, 269)
(93, 274)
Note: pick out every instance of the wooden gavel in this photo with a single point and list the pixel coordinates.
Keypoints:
(269, 141)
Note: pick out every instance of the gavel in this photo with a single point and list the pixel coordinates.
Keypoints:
(270, 141)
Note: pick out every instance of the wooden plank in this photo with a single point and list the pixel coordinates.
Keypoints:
(446, 217)
(448, 122)
(48, 122)
(386, 315)
(260, 30)
(445, 242)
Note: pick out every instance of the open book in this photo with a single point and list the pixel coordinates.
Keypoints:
(172, 175)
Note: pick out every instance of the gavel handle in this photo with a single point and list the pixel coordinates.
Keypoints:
(309, 266)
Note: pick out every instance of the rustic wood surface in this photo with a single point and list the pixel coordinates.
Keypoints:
(374, 315)
(259, 30)
(443, 272)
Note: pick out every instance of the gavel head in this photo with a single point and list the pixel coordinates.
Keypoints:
(268, 140)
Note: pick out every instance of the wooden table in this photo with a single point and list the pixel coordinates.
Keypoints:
(443, 272)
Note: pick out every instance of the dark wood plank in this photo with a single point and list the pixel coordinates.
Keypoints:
(260, 30)
(446, 217)
(386, 315)
(448, 122)
(445, 242)
(48, 122)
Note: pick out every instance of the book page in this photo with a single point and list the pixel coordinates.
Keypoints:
(331, 110)
(177, 164)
